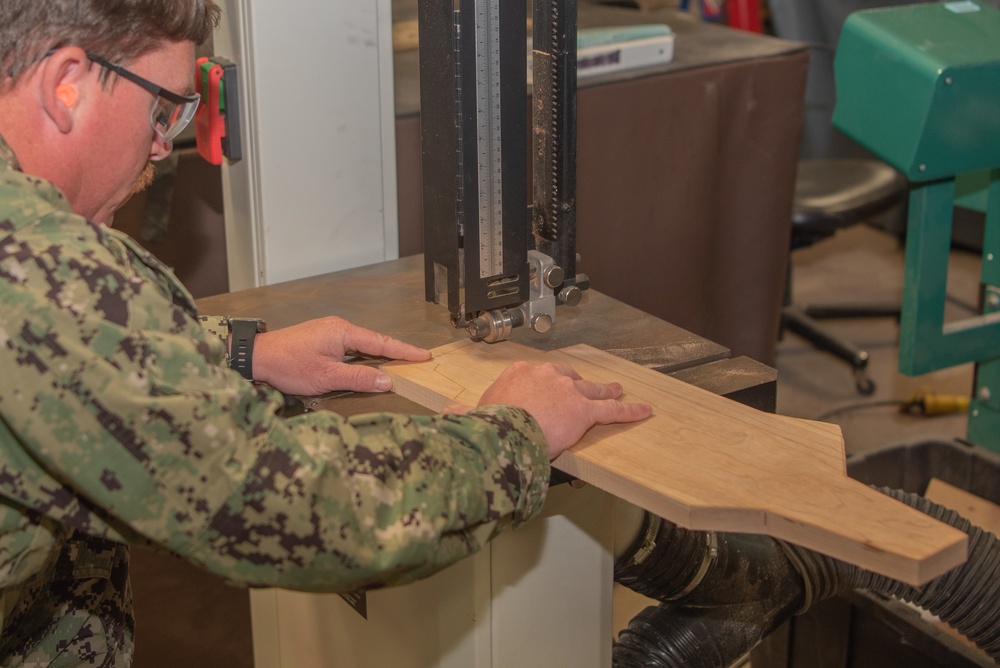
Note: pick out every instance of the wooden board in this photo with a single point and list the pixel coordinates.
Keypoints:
(707, 463)
(405, 35)
(976, 509)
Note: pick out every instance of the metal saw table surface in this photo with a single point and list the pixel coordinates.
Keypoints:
(389, 298)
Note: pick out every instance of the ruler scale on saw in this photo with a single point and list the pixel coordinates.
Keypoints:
(489, 147)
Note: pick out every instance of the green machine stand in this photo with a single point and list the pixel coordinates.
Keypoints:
(919, 86)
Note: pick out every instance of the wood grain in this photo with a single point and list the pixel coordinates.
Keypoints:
(707, 463)
(979, 511)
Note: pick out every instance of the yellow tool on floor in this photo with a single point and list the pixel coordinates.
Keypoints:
(931, 403)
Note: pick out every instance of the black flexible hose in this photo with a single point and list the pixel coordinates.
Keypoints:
(665, 636)
(727, 592)
(723, 593)
(966, 597)
(706, 569)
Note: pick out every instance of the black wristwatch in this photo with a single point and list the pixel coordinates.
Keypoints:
(242, 332)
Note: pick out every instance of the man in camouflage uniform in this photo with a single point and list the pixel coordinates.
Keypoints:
(120, 421)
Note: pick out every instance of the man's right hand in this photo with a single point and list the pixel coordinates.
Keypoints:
(565, 405)
(308, 358)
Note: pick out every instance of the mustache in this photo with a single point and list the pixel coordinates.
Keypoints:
(145, 178)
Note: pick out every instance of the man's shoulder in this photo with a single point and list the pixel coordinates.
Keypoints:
(27, 201)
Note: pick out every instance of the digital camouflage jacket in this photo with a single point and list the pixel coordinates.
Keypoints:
(120, 419)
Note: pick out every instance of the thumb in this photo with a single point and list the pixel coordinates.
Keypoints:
(362, 378)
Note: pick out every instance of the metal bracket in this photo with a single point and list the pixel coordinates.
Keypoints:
(927, 343)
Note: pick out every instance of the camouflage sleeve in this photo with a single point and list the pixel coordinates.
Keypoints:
(373, 500)
(121, 420)
(215, 326)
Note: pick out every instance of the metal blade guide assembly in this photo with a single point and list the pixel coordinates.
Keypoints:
(480, 259)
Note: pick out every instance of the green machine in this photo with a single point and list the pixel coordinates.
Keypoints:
(919, 86)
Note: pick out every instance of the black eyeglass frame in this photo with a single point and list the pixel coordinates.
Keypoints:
(169, 95)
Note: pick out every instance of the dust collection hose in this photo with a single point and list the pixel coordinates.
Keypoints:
(723, 593)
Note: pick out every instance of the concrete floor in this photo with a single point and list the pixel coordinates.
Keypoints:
(864, 264)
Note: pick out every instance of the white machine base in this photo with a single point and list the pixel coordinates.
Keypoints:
(538, 596)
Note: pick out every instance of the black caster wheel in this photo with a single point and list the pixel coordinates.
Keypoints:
(863, 383)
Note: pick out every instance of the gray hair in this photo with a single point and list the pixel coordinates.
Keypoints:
(119, 30)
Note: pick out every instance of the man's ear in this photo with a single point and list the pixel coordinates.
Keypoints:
(62, 81)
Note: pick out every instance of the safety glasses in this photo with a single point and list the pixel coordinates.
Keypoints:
(171, 111)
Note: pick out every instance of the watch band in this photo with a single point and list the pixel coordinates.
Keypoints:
(243, 332)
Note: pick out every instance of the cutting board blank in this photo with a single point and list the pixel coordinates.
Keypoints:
(708, 463)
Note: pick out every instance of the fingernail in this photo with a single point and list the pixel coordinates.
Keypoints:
(383, 383)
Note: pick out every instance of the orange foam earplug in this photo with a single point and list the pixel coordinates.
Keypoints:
(66, 94)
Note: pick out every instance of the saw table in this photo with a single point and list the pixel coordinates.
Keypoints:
(389, 298)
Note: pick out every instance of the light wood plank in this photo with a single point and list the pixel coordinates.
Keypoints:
(707, 463)
(979, 511)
